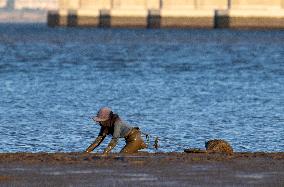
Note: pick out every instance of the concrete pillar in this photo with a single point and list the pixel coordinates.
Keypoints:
(66, 15)
(104, 18)
(222, 19)
(154, 18)
(57, 18)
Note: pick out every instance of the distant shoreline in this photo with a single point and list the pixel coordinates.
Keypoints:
(23, 16)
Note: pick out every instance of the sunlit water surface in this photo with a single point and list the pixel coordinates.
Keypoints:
(184, 86)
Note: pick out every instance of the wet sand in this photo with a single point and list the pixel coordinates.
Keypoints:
(143, 169)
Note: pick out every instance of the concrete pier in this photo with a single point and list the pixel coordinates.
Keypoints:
(252, 14)
(170, 13)
(247, 20)
(187, 19)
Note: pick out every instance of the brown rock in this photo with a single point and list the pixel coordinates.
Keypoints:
(218, 146)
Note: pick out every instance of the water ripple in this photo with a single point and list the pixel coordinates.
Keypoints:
(184, 86)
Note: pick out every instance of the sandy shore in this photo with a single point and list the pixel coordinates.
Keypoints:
(143, 169)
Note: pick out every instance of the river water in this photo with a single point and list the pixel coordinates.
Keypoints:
(184, 86)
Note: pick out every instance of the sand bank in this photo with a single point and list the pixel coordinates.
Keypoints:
(143, 169)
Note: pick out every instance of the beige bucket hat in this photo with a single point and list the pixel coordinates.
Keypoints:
(103, 114)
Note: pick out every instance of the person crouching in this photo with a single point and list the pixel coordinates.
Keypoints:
(111, 124)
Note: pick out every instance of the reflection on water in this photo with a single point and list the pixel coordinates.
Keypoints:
(185, 86)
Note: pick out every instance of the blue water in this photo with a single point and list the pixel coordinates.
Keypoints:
(184, 86)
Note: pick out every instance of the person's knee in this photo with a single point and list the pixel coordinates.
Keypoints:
(128, 151)
(124, 150)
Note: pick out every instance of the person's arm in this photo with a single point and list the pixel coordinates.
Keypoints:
(95, 144)
(97, 141)
(111, 145)
(114, 140)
